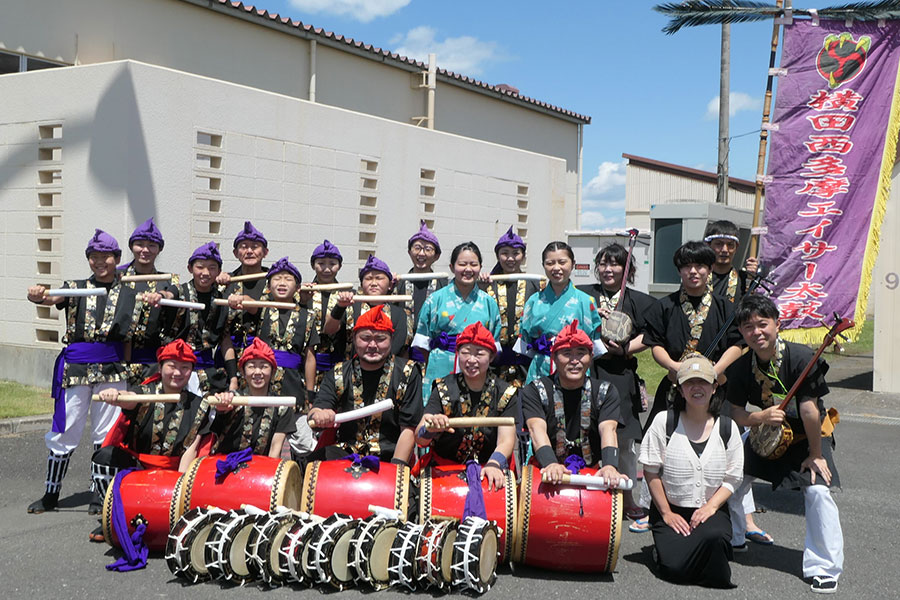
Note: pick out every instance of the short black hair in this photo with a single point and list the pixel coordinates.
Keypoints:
(694, 253)
(617, 254)
(470, 246)
(755, 304)
(554, 246)
(722, 227)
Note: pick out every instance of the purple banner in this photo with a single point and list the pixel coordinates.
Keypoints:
(828, 177)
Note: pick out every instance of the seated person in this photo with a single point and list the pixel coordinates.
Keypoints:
(373, 374)
(259, 427)
(693, 461)
(475, 391)
(156, 435)
(572, 418)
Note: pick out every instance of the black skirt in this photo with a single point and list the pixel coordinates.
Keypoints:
(700, 558)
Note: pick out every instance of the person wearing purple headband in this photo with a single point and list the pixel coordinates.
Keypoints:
(423, 249)
(511, 297)
(92, 360)
(201, 329)
(326, 261)
(375, 279)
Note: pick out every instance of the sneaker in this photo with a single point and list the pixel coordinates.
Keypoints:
(824, 584)
(48, 502)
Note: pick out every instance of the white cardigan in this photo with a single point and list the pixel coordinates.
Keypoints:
(690, 481)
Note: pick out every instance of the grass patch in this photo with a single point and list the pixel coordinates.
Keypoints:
(650, 371)
(865, 343)
(17, 400)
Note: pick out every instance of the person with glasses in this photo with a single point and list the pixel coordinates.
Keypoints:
(424, 249)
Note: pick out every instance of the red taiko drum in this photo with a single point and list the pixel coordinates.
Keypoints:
(339, 486)
(442, 495)
(149, 496)
(262, 482)
(566, 527)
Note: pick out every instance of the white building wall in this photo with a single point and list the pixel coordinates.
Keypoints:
(884, 296)
(125, 141)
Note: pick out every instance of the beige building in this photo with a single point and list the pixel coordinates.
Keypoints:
(205, 114)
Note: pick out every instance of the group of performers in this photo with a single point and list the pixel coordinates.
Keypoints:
(476, 343)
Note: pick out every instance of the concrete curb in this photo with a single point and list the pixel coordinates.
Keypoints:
(23, 424)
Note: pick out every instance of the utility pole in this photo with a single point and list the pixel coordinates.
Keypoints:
(724, 92)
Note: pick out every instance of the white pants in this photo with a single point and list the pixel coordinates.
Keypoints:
(824, 547)
(78, 404)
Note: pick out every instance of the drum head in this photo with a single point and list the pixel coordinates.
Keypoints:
(381, 553)
(447, 554)
(340, 563)
(487, 559)
(237, 555)
(286, 487)
(198, 545)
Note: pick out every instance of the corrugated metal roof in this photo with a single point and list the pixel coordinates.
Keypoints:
(733, 182)
(264, 17)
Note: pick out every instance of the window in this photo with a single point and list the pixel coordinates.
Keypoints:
(9, 63)
(666, 240)
(18, 63)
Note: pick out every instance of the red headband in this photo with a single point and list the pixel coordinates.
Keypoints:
(258, 349)
(375, 319)
(571, 337)
(477, 334)
(177, 350)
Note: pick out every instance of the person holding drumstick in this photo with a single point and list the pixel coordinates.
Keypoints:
(472, 392)
(93, 359)
(261, 428)
(153, 435)
(693, 461)
(424, 250)
(373, 374)
(559, 304)
(761, 378)
(572, 417)
(326, 261)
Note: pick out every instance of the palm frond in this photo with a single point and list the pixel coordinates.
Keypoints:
(692, 13)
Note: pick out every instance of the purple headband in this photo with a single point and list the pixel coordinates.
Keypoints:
(252, 234)
(103, 242)
(509, 239)
(283, 265)
(208, 251)
(426, 235)
(326, 250)
(374, 264)
(147, 231)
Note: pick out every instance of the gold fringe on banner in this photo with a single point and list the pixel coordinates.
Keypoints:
(814, 335)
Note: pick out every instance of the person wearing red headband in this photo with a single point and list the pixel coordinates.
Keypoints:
(259, 427)
(571, 414)
(473, 391)
(373, 374)
(153, 435)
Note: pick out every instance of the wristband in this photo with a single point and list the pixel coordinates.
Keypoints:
(500, 459)
(231, 368)
(545, 456)
(399, 461)
(609, 456)
(311, 397)
(337, 312)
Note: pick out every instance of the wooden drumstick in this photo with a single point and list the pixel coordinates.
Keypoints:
(259, 304)
(150, 277)
(478, 422)
(517, 277)
(327, 287)
(398, 298)
(360, 413)
(592, 481)
(250, 277)
(266, 401)
(75, 292)
(422, 276)
(142, 398)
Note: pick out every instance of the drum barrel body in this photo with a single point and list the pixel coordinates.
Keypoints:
(337, 486)
(567, 528)
(262, 482)
(149, 496)
(443, 491)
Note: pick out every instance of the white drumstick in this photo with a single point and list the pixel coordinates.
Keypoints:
(398, 298)
(360, 413)
(182, 304)
(75, 292)
(258, 304)
(327, 287)
(150, 277)
(592, 481)
(422, 276)
(258, 401)
(249, 277)
(517, 277)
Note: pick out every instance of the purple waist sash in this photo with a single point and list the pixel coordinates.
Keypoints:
(444, 341)
(144, 356)
(542, 345)
(325, 361)
(288, 360)
(78, 353)
(416, 354)
(205, 359)
(508, 357)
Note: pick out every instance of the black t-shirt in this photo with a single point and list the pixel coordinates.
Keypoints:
(668, 326)
(604, 407)
(453, 446)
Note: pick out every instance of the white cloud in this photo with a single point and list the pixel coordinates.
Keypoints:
(360, 10)
(610, 178)
(603, 198)
(737, 102)
(465, 54)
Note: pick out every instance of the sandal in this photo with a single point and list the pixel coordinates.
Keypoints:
(635, 513)
(97, 535)
(640, 525)
(759, 537)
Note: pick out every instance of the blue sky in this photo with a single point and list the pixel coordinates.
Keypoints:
(648, 94)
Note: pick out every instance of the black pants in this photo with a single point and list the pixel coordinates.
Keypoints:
(700, 558)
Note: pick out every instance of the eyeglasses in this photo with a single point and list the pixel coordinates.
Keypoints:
(417, 248)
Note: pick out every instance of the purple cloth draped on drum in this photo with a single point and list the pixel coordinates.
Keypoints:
(80, 353)
(370, 462)
(474, 506)
(231, 462)
(444, 341)
(325, 361)
(132, 544)
(508, 357)
(575, 464)
(205, 359)
(416, 354)
(542, 345)
(288, 360)
(144, 356)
